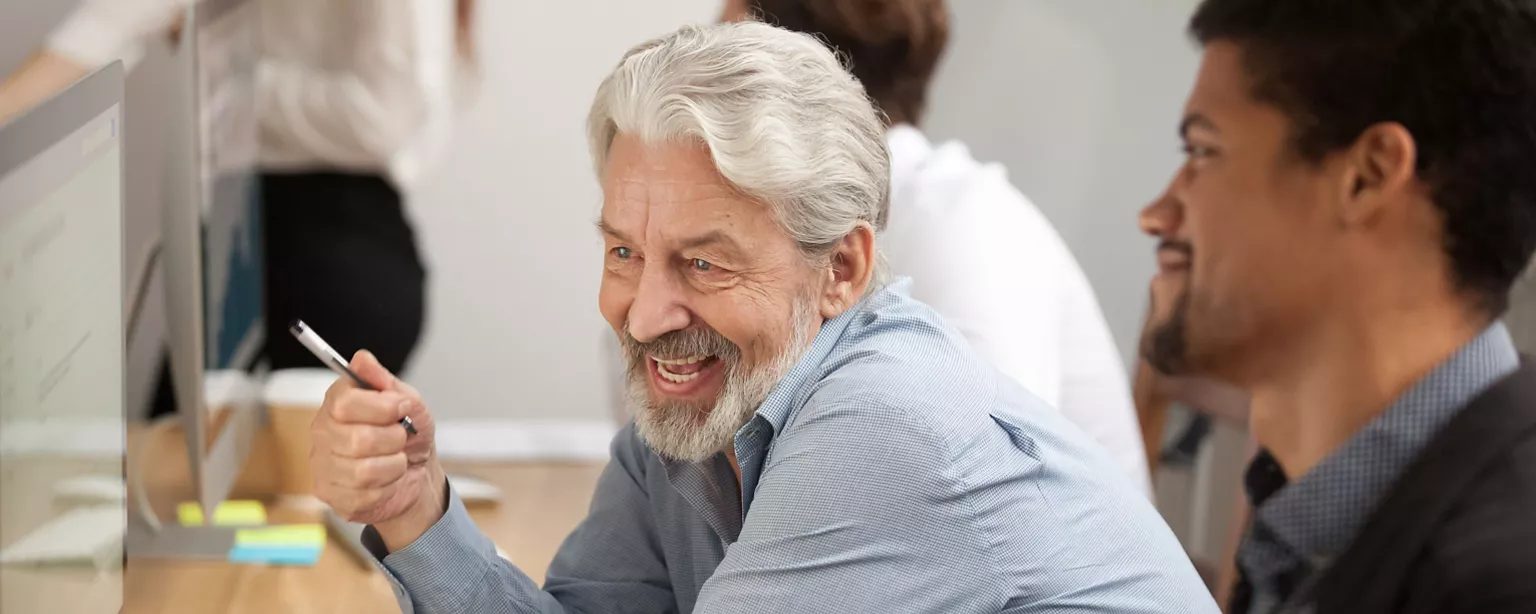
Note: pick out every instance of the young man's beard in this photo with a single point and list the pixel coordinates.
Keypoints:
(694, 431)
(1166, 348)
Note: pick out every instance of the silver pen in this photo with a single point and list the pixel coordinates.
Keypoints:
(323, 351)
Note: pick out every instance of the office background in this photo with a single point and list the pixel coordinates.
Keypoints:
(1080, 105)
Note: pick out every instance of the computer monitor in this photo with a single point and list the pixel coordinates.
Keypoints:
(62, 344)
(225, 48)
(211, 255)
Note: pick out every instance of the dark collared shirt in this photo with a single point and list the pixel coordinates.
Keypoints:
(1300, 527)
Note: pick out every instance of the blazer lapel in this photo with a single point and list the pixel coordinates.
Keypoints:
(1370, 575)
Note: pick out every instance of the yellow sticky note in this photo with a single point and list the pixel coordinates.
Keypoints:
(243, 513)
(282, 535)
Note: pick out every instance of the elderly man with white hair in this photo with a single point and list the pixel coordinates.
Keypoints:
(807, 437)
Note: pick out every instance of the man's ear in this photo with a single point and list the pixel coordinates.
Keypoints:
(1380, 168)
(852, 270)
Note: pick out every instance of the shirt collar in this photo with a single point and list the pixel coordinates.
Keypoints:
(780, 404)
(708, 485)
(755, 440)
(1317, 516)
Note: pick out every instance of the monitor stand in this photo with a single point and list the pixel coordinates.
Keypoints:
(148, 537)
(179, 542)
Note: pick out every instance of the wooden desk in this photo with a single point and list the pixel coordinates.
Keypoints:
(543, 504)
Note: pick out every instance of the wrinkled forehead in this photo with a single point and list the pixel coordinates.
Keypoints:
(672, 192)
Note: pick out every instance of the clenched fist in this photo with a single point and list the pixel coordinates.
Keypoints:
(366, 466)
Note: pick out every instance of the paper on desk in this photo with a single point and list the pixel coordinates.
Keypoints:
(240, 513)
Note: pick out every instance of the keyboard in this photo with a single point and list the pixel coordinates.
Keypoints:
(86, 535)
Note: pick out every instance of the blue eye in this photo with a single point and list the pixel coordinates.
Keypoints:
(702, 265)
(623, 253)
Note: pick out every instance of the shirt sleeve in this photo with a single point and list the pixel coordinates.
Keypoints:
(843, 524)
(610, 564)
(100, 31)
(399, 64)
(453, 567)
(613, 561)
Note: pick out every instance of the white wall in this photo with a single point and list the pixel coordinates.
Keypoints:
(513, 329)
(1080, 100)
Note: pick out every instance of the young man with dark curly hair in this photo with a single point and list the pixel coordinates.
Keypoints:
(1358, 199)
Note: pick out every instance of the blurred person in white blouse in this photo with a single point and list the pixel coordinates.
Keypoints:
(978, 251)
(355, 101)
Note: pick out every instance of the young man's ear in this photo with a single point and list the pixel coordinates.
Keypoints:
(1380, 166)
(852, 270)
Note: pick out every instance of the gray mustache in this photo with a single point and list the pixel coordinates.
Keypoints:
(680, 344)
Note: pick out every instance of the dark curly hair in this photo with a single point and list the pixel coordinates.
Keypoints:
(892, 46)
(1460, 75)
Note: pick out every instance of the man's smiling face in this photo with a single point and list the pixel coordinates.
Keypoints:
(1249, 250)
(711, 298)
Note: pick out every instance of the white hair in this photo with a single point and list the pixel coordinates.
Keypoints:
(784, 121)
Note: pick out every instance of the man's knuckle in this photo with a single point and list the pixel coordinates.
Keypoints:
(357, 473)
(349, 405)
(356, 442)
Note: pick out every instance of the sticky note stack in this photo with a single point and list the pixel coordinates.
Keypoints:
(293, 544)
(227, 514)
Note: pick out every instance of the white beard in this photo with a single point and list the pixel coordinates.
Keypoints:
(673, 431)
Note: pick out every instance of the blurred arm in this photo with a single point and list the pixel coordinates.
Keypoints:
(95, 34)
(38, 78)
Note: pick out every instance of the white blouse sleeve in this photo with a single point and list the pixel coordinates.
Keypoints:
(100, 31)
(975, 258)
(399, 58)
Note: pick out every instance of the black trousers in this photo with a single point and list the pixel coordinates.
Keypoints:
(340, 255)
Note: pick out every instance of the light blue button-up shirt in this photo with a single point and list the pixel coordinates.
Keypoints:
(892, 470)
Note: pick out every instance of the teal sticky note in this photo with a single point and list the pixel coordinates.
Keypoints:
(306, 556)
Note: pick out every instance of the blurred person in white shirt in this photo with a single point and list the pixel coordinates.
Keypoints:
(978, 251)
(354, 102)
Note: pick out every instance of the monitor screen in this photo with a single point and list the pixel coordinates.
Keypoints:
(62, 413)
(61, 301)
